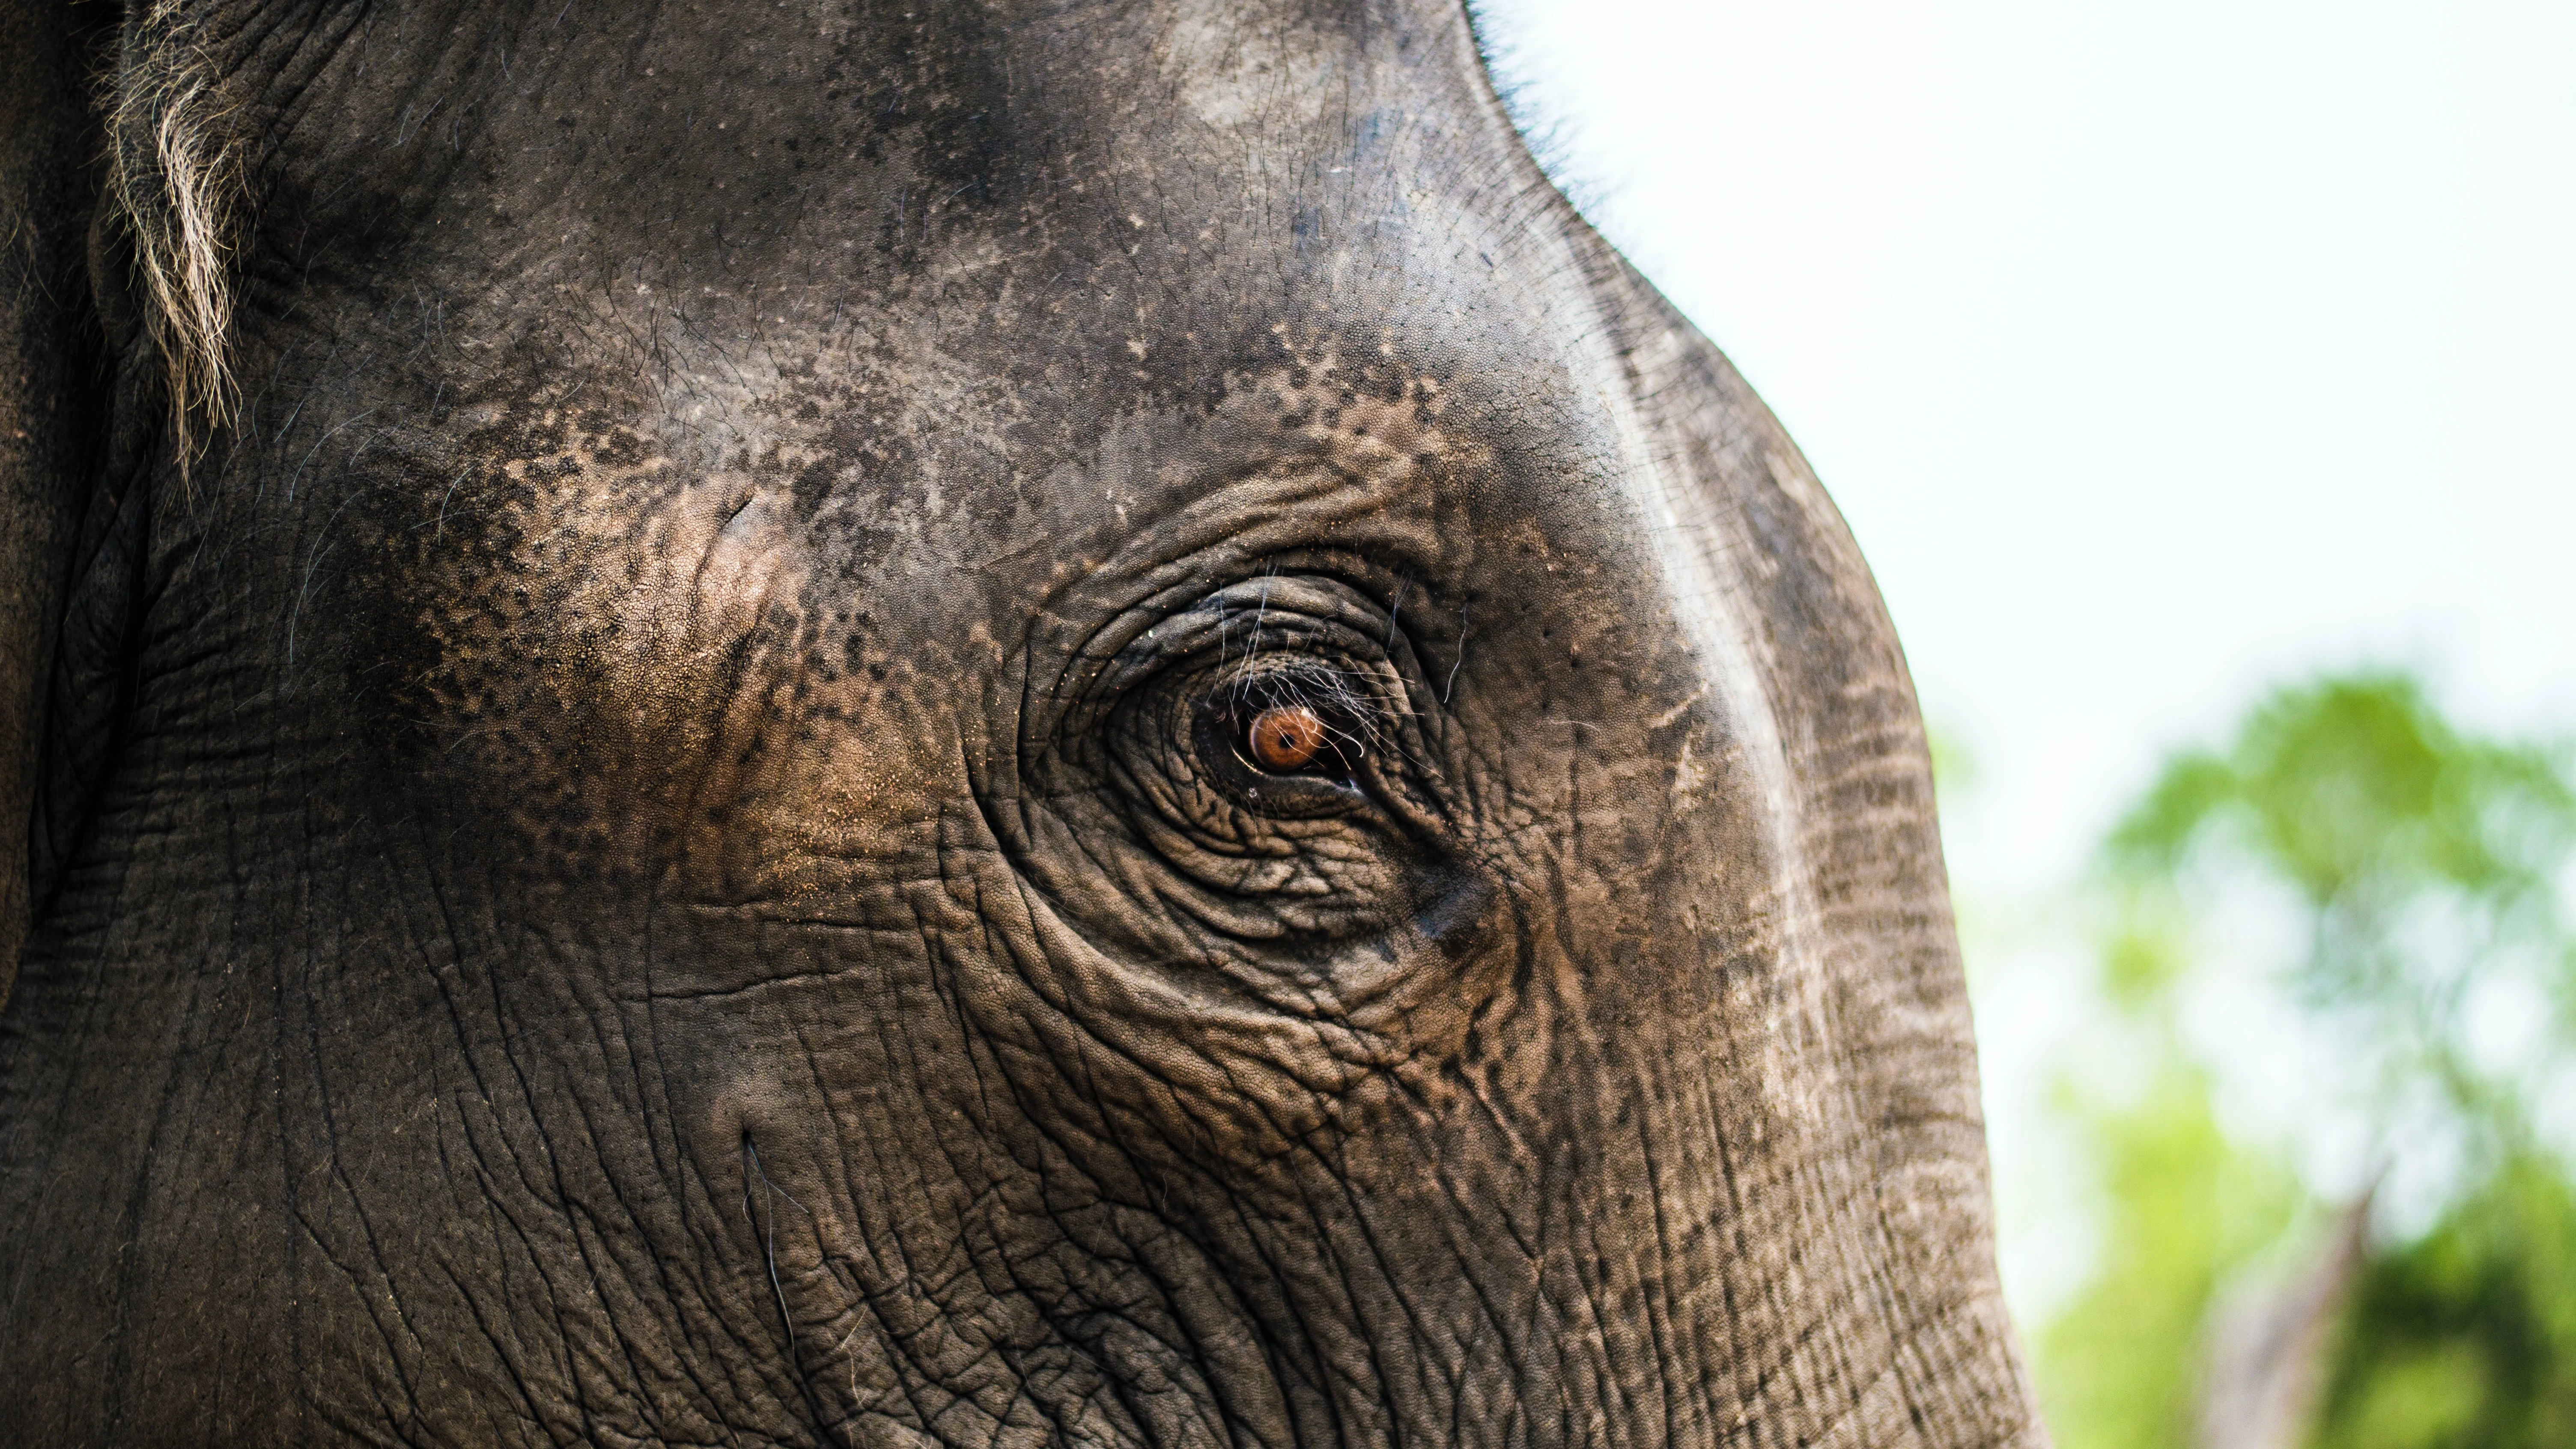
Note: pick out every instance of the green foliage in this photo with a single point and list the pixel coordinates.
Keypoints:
(2423, 859)
(2468, 1336)
(2118, 1369)
(2358, 787)
(2146, 953)
(2420, 864)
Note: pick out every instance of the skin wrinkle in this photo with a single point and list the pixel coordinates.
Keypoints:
(1491, 1312)
(627, 1350)
(1160, 1205)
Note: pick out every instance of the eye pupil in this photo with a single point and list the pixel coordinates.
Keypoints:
(1286, 737)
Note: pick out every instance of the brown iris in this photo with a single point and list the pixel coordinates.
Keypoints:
(1286, 737)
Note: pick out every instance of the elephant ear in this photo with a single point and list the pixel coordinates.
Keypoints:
(50, 395)
(1866, 838)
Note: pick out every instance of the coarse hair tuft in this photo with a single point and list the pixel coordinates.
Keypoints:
(175, 170)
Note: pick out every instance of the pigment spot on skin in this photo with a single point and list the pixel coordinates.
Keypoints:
(1233, 75)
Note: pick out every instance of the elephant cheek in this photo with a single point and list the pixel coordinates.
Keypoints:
(681, 685)
(871, 1220)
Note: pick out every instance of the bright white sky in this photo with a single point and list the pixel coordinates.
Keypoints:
(2155, 354)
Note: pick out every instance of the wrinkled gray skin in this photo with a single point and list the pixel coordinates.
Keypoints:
(652, 846)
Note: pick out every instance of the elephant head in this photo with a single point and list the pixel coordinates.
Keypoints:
(930, 722)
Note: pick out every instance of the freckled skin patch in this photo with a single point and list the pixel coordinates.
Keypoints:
(687, 852)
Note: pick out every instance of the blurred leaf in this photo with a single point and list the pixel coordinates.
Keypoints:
(2419, 864)
(2118, 1368)
(2161, 829)
(2425, 859)
(2467, 1336)
(2145, 955)
(2357, 782)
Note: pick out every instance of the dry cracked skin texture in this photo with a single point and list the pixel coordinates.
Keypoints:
(653, 845)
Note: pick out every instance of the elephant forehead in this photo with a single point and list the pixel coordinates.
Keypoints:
(753, 487)
(758, 561)
(750, 480)
(790, 657)
(873, 143)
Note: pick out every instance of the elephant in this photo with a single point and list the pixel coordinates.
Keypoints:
(927, 723)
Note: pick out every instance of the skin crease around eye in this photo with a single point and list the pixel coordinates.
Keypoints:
(1286, 737)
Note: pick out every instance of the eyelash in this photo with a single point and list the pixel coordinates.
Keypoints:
(1179, 705)
(1326, 721)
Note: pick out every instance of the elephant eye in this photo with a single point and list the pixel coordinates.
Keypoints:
(1291, 735)
(1266, 745)
(1237, 726)
(1284, 738)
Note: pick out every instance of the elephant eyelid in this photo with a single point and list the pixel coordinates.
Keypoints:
(1349, 715)
(1169, 717)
